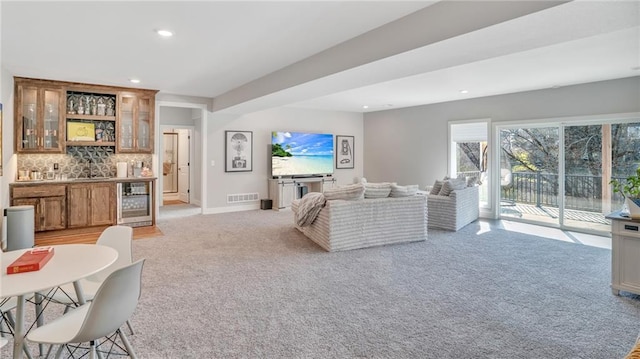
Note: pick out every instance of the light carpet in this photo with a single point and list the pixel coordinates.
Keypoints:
(249, 285)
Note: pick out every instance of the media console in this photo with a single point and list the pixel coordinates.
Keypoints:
(282, 191)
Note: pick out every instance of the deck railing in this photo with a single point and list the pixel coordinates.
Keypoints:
(582, 192)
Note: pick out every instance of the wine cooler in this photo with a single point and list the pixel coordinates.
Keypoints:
(135, 203)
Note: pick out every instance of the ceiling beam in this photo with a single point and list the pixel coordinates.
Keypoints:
(438, 22)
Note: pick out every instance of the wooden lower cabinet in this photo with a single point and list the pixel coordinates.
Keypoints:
(103, 204)
(49, 203)
(91, 204)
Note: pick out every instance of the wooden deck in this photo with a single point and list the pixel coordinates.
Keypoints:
(88, 235)
(519, 209)
(589, 221)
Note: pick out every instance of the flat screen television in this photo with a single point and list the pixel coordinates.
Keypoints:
(301, 154)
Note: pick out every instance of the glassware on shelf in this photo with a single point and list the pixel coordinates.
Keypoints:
(111, 107)
(70, 105)
(93, 106)
(110, 132)
(29, 132)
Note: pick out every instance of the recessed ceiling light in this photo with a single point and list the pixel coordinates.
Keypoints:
(134, 81)
(464, 91)
(365, 107)
(164, 33)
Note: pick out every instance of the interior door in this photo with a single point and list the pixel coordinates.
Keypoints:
(184, 145)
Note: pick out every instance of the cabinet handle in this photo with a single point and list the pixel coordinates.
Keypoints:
(42, 214)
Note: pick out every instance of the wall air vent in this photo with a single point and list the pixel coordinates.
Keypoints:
(242, 197)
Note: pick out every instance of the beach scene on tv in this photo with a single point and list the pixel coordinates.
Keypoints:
(298, 153)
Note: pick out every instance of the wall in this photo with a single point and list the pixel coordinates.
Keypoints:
(196, 159)
(4, 188)
(414, 140)
(174, 116)
(191, 100)
(8, 158)
(262, 123)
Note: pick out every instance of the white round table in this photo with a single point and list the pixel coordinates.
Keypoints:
(70, 263)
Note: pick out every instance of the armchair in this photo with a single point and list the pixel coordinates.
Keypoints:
(454, 211)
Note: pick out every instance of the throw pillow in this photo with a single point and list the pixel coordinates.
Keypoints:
(459, 183)
(437, 186)
(403, 191)
(349, 192)
(377, 190)
(451, 185)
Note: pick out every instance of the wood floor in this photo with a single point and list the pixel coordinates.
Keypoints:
(88, 235)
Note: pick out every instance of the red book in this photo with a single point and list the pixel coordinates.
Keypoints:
(31, 260)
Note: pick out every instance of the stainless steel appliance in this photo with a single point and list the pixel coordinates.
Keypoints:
(135, 204)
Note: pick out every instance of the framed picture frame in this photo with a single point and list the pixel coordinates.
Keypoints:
(238, 151)
(344, 152)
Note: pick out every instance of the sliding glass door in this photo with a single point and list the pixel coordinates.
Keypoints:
(594, 154)
(586, 154)
(529, 173)
(560, 174)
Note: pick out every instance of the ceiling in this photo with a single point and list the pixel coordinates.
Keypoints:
(249, 56)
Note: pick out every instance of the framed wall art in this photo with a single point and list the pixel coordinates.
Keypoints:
(344, 152)
(238, 151)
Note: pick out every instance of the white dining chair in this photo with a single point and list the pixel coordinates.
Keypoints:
(119, 238)
(98, 321)
(7, 319)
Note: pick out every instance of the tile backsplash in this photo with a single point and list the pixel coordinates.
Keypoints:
(81, 161)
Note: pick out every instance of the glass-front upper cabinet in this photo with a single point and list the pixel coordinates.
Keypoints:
(52, 119)
(136, 123)
(144, 125)
(39, 121)
(125, 129)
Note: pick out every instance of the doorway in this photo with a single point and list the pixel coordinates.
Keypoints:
(176, 172)
(190, 116)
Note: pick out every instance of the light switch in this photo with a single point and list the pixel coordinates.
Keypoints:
(213, 163)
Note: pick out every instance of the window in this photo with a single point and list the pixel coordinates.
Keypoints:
(469, 154)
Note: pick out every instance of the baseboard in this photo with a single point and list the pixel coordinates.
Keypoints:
(248, 207)
(170, 196)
